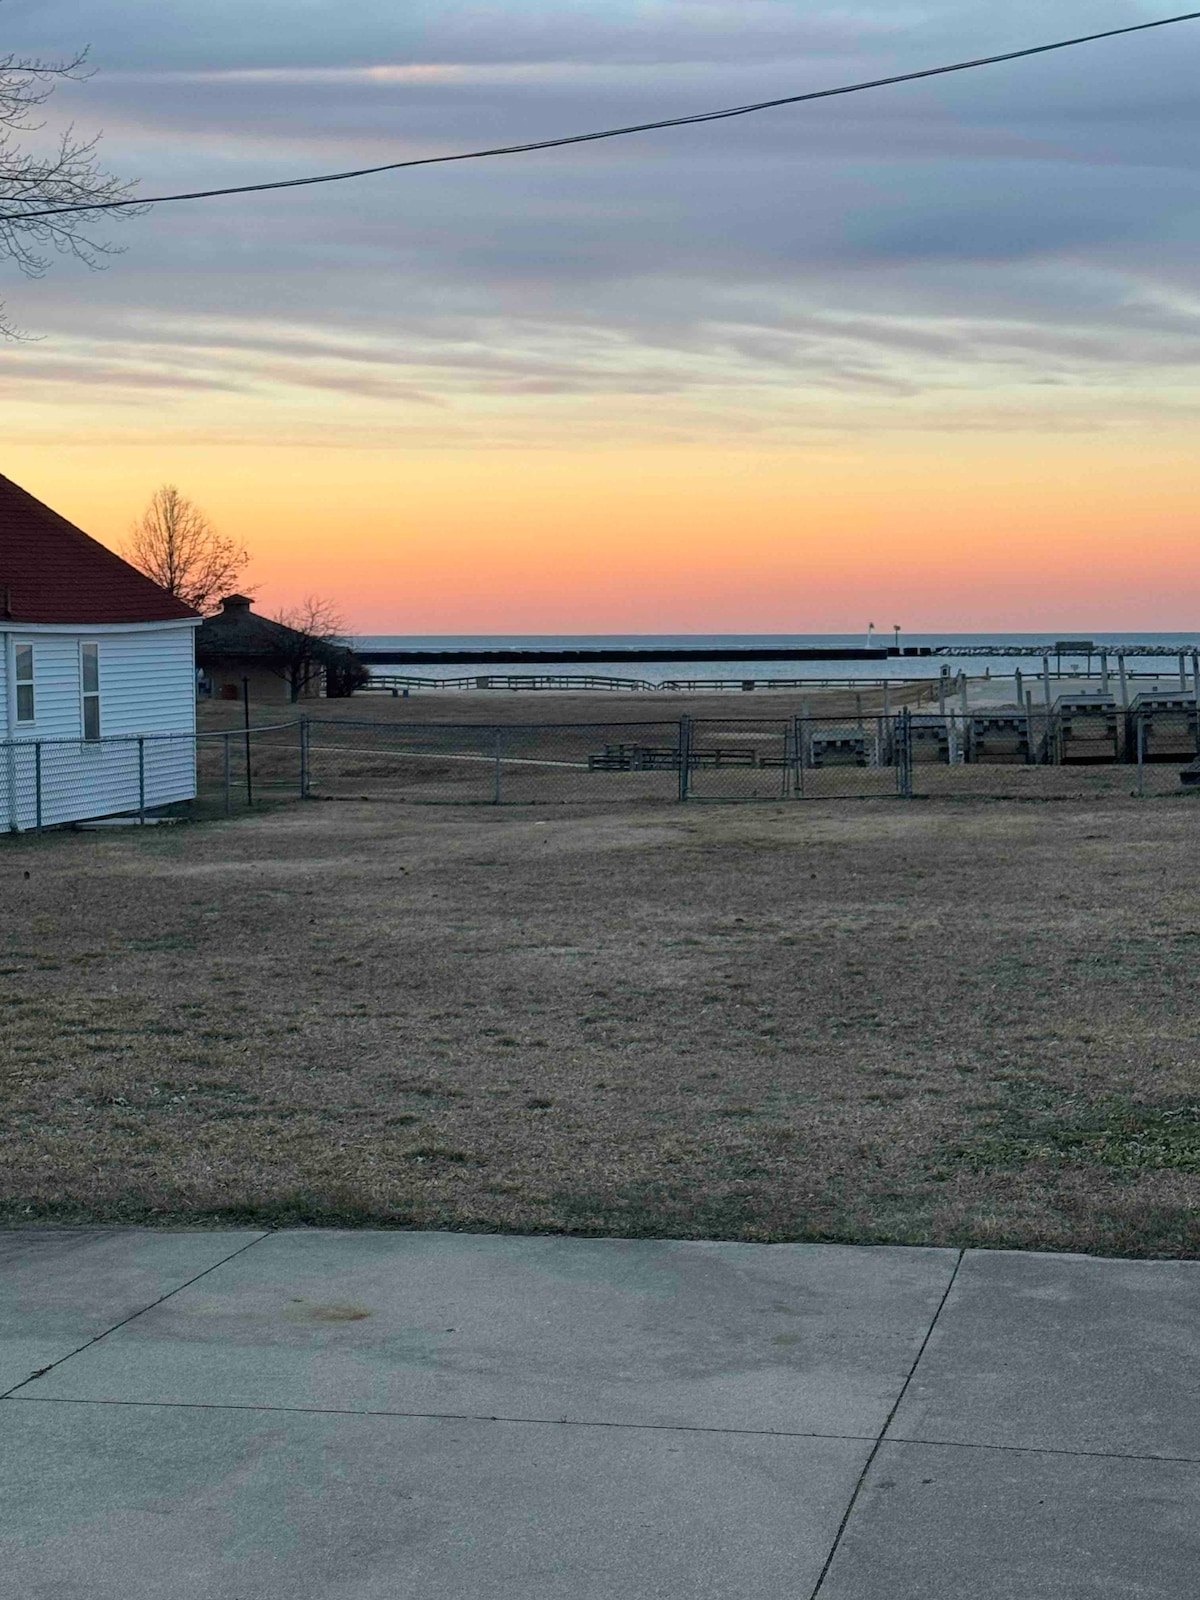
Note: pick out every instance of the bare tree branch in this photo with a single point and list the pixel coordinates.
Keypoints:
(66, 174)
(174, 543)
(306, 660)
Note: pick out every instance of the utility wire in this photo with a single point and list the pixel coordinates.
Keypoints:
(607, 133)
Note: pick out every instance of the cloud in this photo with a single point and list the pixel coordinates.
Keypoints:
(1028, 229)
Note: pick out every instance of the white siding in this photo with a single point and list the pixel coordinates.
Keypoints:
(147, 687)
(147, 682)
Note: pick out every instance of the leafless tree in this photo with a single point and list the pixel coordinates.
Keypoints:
(317, 617)
(65, 174)
(174, 543)
(319, 647)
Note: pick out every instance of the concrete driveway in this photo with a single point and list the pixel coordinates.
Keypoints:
(366, 1416)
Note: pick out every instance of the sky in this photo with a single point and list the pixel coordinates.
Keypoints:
(927, 355)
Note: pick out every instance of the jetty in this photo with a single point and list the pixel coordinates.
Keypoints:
(402, 656)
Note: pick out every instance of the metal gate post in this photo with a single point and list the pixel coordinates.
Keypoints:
(37, 786)
(304, 758)
(798, 750)
(685, 754)
(228, 774)
(141, 779)
(1141, 755)
(497, 745)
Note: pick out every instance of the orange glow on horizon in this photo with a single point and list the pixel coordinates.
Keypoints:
(965, 533)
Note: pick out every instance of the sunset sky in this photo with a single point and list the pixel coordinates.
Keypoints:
(927, 355)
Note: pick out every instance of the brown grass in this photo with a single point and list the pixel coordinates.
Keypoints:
(504, 707)
(937, 1022)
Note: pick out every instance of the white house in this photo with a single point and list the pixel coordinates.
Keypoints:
(96, 672)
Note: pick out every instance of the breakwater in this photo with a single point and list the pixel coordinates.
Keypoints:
(400, 656)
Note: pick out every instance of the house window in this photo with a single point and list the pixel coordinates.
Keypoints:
(89, 679)
(24, 677)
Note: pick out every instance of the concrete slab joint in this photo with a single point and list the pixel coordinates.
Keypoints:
(380, 1414)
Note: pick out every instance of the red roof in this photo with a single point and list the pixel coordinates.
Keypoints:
(50, 571)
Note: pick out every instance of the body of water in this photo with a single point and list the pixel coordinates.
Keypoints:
(713, 671)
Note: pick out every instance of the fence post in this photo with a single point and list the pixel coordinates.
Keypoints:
(246, 726)
(37, 786)
(798, 743)
(685, 754)
(498, 738)
(141, 780)
(228, 773)
(904, 754)
(304, 757)
(1141, 755)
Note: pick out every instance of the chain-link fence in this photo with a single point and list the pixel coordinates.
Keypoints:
(684, 759)
(244, 767)
(1080, 751)
(45, 783)
(1078, 747)
(486, 764)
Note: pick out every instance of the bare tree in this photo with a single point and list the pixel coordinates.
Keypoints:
(317, 617)
(174, 543)
(66, 174)
(319, 647)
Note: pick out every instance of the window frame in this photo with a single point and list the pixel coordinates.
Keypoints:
(89, 648)
(29, 684)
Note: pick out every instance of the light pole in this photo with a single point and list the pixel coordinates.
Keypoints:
(896, 630)
(870, 635)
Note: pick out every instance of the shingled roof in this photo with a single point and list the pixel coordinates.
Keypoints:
(51, 571)
(237, 633)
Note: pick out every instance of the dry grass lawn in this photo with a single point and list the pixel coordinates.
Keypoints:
(924, 1022)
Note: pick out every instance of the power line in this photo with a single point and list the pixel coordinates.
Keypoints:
(607, 133)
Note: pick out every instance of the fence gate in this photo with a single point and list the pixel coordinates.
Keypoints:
(797, 758)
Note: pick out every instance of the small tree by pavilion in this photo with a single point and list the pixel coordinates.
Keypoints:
(317, 647)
